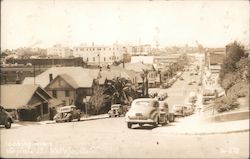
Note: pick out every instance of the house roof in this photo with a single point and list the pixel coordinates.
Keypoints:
(82, 77)
(15, 96)
(69, 80)
(110, 74)
(137, 67)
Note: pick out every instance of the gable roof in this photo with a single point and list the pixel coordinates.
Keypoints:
(17, 96)
(82, 77)
(137, 67)
(110, 74)
(69, 80)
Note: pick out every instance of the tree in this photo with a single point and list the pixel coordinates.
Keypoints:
(243, 68)
(146, 72)
(235, 52)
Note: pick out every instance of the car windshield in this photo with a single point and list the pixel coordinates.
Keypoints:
(142, 103)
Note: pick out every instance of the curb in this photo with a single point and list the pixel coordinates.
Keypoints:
(209, 133)
(85, 119)
(230, 116)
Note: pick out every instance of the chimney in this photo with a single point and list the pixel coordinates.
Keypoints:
(50, 77)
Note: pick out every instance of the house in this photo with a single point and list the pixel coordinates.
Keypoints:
(71, 85)
(139, 67)
(26, 102)
(116, 71)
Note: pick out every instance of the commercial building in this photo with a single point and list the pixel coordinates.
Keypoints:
(99, 54)
(59, 51)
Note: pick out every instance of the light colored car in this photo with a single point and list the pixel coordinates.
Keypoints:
(183, 110)
(5, 118)
(67, 114)
(116, 110)
(178, 110)
(144, 111)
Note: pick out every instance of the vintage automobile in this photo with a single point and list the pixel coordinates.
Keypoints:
(183, 110)
(67, 114)
(144, 111)
(116, 110)
(162, 96)
(178, 110)
(165, 114)
(5, 118)
(188, 110)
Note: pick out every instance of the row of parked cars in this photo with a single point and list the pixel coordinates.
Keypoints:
(172, 80)
(148, 111)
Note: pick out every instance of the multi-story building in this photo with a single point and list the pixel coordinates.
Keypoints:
(59, 51)
(99, 54)
(141, 49)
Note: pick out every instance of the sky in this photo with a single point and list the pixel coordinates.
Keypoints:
(43, 23)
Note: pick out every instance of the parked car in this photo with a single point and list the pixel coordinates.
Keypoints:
(162, 96)
(144, 111)
(188, 110)
(166, 85)
(116, 110)
(5, 118)
(165, 114)
(178, 110)
(67, 114)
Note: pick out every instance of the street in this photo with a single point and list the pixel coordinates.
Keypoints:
(110, 138)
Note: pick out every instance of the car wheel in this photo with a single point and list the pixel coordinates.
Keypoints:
(79, 119)
(129, 125)
(7, 124)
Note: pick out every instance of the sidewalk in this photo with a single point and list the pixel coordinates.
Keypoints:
(195, 125)
(26, 123)
(94, 117)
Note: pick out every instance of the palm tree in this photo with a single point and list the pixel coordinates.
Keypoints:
(120, 89)
(143, 84)
(146, 72)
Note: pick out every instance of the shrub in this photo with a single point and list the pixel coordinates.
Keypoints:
(225, 104)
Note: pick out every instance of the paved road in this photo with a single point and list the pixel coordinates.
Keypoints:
(178, 93)
(110, 138)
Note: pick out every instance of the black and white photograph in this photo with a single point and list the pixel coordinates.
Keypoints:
(124, 79)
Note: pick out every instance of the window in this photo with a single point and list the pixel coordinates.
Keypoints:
(87, 59)
(93, 59)
(66, 93)
(54, 93)
(104, 59)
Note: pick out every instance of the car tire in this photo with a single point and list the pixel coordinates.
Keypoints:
(79, 119)
(129, 125)
(7, 124)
